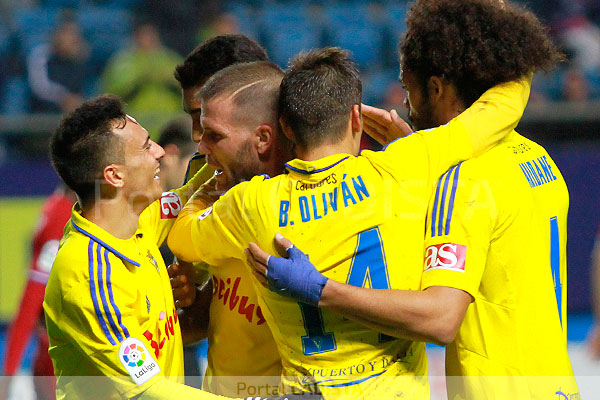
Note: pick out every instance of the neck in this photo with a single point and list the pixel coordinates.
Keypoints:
(116, 216)
(349, 145)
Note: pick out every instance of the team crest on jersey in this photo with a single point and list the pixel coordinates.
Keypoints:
(450, 256)
(205, 213)
(137, 360)
(170, 205)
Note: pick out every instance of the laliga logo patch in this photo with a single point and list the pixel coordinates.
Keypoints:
(448, 256)
(170, 205)
(137, 360)
(205, 213)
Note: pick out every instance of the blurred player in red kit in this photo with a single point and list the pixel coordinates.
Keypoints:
(55, 214)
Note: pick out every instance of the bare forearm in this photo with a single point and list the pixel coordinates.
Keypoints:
(418, 315)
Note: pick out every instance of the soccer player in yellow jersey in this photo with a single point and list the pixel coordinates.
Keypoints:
(494, 257)
(108, 305)
(349, 210)
(235, 325)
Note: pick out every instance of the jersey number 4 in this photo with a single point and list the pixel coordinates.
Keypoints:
(368, 269)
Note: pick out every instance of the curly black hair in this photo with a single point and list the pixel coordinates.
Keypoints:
(83, 144)
(215, 54)
(474, 44)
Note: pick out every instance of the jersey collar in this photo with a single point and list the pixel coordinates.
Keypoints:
(316, 167)
(118, 247)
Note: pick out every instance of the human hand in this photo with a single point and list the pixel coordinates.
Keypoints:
(294, 277)
(182, 277)
(382, 125)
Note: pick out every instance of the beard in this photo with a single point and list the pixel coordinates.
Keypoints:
(424, 119)
(245, 166)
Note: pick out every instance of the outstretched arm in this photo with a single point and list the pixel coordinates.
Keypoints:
(433, 315)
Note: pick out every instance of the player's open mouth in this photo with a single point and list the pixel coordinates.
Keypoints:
(218, 172)
(156, 173)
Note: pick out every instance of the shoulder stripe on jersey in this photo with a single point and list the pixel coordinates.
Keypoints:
(94, 295)
(111, 296)
(451, 201)
(94, 238)
(102, 290)
(443, 202)
(441, 208)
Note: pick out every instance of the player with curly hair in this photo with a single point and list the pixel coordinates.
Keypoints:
(494, 280)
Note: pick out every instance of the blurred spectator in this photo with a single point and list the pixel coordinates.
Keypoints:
(143, 77)
(222, 24)
(594, 337)
(581, 38)
(57, 71)
(30, 319)
(575, 86)
(175, 139)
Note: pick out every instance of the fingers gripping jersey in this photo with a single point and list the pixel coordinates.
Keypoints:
(109, 306)
(496, 229)
(361, 221)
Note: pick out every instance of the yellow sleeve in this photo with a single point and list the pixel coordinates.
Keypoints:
(460, 222)
(480, 127)
(211, 234)
(158, 217)
(97, 315)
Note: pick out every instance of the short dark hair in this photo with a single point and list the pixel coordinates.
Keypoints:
(474, 44)
(250, 82)
(215, 54)
(84, 143)
(177, 132)
(317, 94)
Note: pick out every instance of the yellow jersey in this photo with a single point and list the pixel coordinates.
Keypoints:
(497, 229)
(109, 307)
(361, 220)
(237, 326)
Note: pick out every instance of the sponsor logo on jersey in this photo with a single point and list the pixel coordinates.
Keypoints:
(450, 256)
(170, 205)
(137, 360)
(205, 213)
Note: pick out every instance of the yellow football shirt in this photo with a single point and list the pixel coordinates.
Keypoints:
(497, 229)
(361, 221)
(237, 326)
(109, 307)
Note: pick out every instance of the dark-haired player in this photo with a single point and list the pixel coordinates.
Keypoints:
(495, 269)
(108, 304)
(235, 326)
(345, 208)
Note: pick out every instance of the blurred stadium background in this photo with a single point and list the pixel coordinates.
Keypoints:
(55, 53)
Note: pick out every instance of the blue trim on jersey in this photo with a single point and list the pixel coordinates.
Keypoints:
(93, 293)
(451, 201)
(107, 310)
(196, 156)
(435, 206)
(356, 382)
(395, 140)
(316, 170)
(443, 202)
(111, 296)
(95, 239)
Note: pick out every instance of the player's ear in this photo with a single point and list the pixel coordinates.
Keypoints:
(264, 138)
(114, 175)
(357, 121)
(435, 88)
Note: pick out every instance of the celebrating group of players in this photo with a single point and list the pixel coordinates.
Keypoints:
(453, 234)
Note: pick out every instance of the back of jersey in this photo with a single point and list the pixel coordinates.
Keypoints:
(498, 232)
(346, 210)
